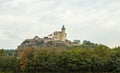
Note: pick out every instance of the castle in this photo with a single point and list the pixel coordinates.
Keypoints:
(61, 35)
(58, 38)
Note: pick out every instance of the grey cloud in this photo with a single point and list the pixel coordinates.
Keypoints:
(95, 20)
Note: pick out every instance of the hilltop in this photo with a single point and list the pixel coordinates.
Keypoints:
(56, 39)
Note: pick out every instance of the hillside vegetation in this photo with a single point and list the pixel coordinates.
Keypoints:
(88, 57)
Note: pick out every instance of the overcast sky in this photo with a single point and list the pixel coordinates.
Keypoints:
(94, 20)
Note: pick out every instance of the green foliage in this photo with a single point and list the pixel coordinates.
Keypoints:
(88, 44)
(31, 60)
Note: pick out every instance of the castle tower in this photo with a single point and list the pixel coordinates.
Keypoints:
(63, 28)
(60, 35)
(63, 35)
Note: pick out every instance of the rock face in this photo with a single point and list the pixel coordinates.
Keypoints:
(57, 39)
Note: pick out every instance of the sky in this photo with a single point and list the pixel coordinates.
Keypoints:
(95, 20)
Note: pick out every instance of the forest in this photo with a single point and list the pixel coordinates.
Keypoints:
(87, 58)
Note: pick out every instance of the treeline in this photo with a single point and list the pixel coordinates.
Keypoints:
(74, 59)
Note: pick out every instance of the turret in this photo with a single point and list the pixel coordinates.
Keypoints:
(63, 28)
(63, 35)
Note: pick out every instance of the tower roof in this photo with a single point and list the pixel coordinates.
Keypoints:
(63, 28)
